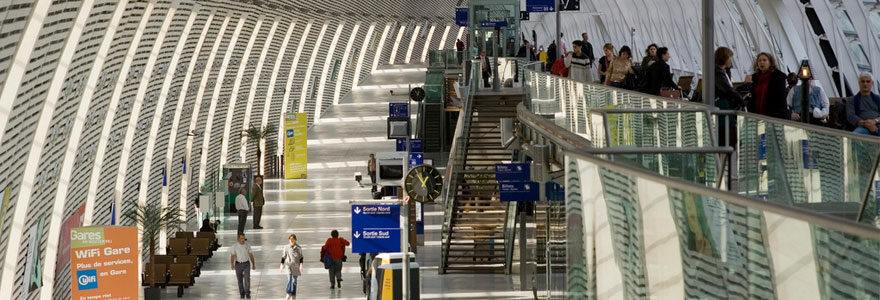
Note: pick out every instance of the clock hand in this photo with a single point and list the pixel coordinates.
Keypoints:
(423, 180)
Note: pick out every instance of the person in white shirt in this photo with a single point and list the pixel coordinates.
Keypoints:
(818, 101)
(242, 207)
(242, 260)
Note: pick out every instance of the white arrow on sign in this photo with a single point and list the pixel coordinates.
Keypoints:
(357, 210)
(357, 234)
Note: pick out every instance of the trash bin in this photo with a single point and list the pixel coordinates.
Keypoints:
(388, 281)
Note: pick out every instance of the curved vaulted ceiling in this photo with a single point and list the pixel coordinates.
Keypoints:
(101, 100)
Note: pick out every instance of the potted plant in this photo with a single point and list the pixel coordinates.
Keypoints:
(255, 136)
(150, 219)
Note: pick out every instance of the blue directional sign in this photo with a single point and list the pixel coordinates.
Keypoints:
(809, 162)
(762, 147)
(540, 5)
(398, 110)
(519, 191)
(375, 228)
(461, 16)
(554, 192)
(512, 172)
(415, 159)
(415, 145)
(493, 24)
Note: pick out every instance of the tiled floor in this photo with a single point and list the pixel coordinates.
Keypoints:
(339, 145)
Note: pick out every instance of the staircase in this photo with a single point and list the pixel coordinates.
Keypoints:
(557, 236)
(476, 243)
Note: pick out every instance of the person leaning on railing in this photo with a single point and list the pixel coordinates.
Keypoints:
(863, 109)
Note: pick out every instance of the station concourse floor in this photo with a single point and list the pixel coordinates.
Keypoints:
(339, 145)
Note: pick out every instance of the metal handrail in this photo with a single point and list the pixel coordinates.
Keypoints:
(831, 222)
(456, 164)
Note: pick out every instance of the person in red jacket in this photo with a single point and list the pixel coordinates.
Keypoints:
(335, 247)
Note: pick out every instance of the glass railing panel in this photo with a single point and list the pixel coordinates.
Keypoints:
(701, 168)
(636, 235)
(798, 166)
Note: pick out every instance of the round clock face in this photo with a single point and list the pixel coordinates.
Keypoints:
(417, 94)
(424, 183)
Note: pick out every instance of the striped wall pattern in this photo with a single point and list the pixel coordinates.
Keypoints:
(100, 98)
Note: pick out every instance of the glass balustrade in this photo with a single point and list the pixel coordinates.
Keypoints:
(634, 234)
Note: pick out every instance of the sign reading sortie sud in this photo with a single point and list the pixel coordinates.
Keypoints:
(104, 263)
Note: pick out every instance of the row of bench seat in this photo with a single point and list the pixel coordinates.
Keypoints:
(183, 261)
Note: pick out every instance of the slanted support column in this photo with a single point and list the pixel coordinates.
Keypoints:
(709, 52)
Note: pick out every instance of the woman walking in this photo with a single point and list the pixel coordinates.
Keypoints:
(620, 68)
(291, 264)
(335, 248)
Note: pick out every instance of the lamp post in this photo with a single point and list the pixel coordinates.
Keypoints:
(805, 74)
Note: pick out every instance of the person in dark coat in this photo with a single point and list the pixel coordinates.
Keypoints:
(485, 67)
(726, 97)
(551, 55)
(659, 75)
(768, 90)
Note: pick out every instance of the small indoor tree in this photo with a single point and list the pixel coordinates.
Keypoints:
(150, 219)
(255, 137)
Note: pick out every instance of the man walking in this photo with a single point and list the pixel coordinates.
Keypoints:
(588, 50)
(242, 207)
(487, 69)
(257, 200)
(242, 260)
(371, 170)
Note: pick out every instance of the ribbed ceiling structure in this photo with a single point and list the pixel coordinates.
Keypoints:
(100, 100)
(834, 35)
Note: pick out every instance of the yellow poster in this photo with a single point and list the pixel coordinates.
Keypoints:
(295, 146)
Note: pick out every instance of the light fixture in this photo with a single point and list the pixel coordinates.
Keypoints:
(805, 72)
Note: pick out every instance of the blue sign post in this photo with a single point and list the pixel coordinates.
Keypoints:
(512, 172)
(493, 24)
(461, 16)
(415, 145)
(375, 228)
(540, 5)
(520, 191)
(398, 110)
(415, 159)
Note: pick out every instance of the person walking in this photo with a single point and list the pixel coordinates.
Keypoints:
(335, 247)
(659, 75)
(292, 265)
(578, 63)
(371, 170)
(241, 207)
(768, 91)
(605, 61)
(587, 49)
(258, 201)
(552, 56)
(620, 67)
(487, 69)
(242, 260)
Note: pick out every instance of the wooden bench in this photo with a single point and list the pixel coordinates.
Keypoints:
(180, 275)
(188, 235)
(178, 246)
(159, 271)
(193, 261)
(209, 235)
(200, 247)
(163, 259)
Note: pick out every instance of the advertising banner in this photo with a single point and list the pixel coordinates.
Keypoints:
(104, 263)
(75, 220)
(295, 146)
(33, 269)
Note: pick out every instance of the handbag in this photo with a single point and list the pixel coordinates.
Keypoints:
(559, 68)
(670, 93)
(344, 258)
